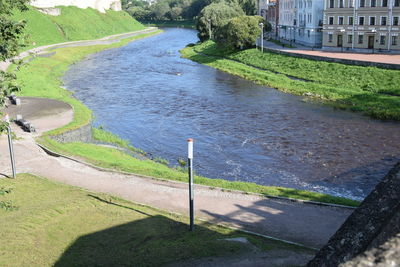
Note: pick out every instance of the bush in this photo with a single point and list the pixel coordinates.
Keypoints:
(240, 32)
(214, 16)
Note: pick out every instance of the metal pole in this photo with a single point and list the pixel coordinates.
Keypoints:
(190, 172)
(10, 146)
(262, 37)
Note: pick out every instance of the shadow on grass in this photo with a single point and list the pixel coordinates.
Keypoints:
(152, 241)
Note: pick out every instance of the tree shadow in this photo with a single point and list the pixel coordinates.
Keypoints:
(152, 241)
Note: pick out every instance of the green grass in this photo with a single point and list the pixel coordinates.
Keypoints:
(62, 225)
(41, 78)
(370, 90)
(74, 24)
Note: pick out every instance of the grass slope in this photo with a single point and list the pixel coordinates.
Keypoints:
(74, 24)
(62, 225)
(41, 78)
(370, 90)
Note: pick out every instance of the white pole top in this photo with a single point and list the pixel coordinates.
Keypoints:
(190, 148)
(7, 118)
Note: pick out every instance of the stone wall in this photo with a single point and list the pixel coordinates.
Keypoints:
(100, 5)
(371, 233)
(83, 134)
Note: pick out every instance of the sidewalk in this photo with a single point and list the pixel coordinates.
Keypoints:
(307, 224)
(299, 49)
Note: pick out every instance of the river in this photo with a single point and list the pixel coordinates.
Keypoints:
(146, 93)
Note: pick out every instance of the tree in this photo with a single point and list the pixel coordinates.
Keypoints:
(160, 9)
(240, 32)
(10, 43)
(215, 16)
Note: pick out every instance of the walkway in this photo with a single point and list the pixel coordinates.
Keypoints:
(378, 58)
(307, 224)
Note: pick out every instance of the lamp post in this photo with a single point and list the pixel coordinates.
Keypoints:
(373, 43)
(209, 29)
(313, 39)
(262, 37)
(342, 31)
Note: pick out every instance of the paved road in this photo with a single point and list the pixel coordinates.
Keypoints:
(308, 224)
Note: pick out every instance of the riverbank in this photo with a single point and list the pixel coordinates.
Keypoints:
(42, 79)
(369, 90)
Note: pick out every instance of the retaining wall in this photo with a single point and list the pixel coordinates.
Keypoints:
(82, 134)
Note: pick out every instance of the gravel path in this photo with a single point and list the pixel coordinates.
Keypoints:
(307, 224)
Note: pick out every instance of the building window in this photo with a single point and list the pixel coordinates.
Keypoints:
(384, 3)
(362, 3)
(382, 40)
(330, 37)
(361, 21)
(394, 40)
(330, 20)
(373, 3)
(371, 20)
(351, 21)
(351, 3)
(308, 33)
(396, 2)
(383, 21)
(341, 21)
(349, 38)
(341, 3)
(332, 3)
(395, 21)
(360, 39)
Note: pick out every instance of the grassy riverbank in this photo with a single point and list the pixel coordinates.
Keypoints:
(56, 224)
(74, 24)
(372, 91)
(41, 78)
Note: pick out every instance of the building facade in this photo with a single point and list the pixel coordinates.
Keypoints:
(361, 25)
(309, 22)
(269, 10)
(300, 21)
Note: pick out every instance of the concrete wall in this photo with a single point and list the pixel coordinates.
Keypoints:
(83, 134)
(371, 235)
(100, 5)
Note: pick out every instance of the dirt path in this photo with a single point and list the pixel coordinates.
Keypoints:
(307, 224)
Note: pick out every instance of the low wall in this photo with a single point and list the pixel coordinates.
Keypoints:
(337, 60)
(371, 234)
(82, 134)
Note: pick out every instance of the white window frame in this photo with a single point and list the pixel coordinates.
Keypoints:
(381, 21)
(348, 20)
(358, 22)
(338, 20)
(329, 20)
(351, 3)
(369, 20)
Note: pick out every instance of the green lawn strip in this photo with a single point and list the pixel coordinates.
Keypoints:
(74, 24)
(61, 225)
(369, 90)
(40, 78)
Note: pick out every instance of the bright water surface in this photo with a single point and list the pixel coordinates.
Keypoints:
(146, 93)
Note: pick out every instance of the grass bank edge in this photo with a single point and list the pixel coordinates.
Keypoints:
(91, 153)
(33, 228)
(374, 102)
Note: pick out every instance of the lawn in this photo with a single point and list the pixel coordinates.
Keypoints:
(56, 224)
(370, 90)
(74, 24)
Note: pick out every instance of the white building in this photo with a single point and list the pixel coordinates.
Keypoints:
(100, 5)
(287, 19)
(300, 21)
(309, 22)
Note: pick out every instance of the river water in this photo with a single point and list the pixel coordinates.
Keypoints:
(146, 93)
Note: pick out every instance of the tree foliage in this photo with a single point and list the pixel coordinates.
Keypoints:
(240, 32)
(10, 43)
(215, 16)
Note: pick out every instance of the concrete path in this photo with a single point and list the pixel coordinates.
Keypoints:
(379, 58)
(307, 224)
